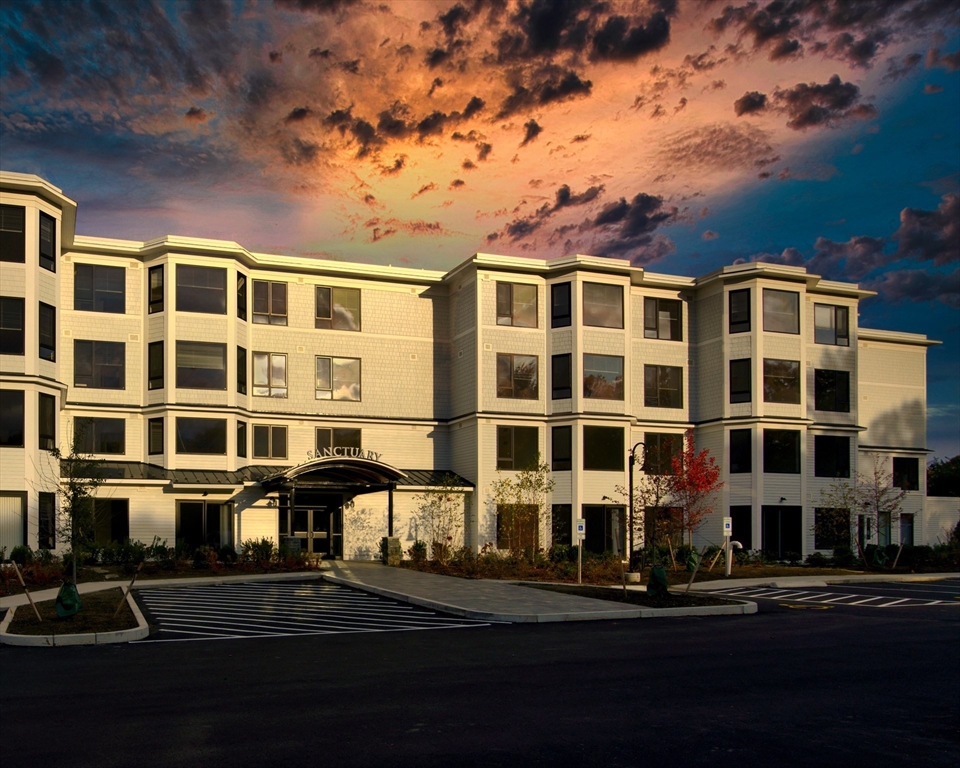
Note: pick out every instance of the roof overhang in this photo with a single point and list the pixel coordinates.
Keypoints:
(339, 471)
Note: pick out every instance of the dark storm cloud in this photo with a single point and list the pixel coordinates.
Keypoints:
(814, 104)
(786, 49)
(897, 69)
(195, 115)
(564, 198)
(393, 170)
(931, 235)
(483, 151)
(531, 130)
(918, 285)
(297, 115)
(299, 152)
(315, 6)
(619, 40)
(542, 87)
(752, 101)
(853, 259)
(626, 229)
(473, 106)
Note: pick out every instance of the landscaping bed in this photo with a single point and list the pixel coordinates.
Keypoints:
(95, 615)
(633, 596)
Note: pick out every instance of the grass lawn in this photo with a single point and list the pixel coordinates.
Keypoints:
(95, 615)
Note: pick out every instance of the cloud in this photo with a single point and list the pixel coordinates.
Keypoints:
(299, 152)
(276, 57)
(457, 184)
(564, 198)
(424, 189)
(531, 130)
(315, 6)
(626, 229)
(752, 101)
(930, 88)
(949, 61)
(716, 146)
(811, 105)
(900, 68)
(483, 151)
(619, 39)
(709, 235)
(918, 285)
(195, 115)
(393, 170)
(851, 260)
(544, 86)
(931, 235)
(297, 115)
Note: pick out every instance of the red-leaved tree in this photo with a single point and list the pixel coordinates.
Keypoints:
(694, 484)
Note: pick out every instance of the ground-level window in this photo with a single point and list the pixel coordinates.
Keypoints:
(269, 442)
(603, 448)
(13, 519)
(205, 436)
(741, 521)
(517, 447)
(47, 531)
(831, 528)
(906, 530)
(782, 532)
(204, 523)
(561, 524)
(99, 435)
(606, 528)
(518, 527)
(111, 520)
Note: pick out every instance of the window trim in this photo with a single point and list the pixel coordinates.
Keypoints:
(586, 315)
(512, 460)
(535, 384)
(47, 351)
(47, 261)
(772, 316)
(589, 390)
(506, 295)
(275, 315)
(155, 303)
(268, 388)
(660, 389)
(96, 374)
(326, 322)
(769, 392)
(836, 311)
(654, 330)
(739, 325)
(333, 362)
(182, 383)
(13, 241)
(272, 433)
(99, 294)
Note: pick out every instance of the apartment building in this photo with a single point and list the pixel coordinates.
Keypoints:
(233, 395)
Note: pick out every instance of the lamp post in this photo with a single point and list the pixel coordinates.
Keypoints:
(633, 458)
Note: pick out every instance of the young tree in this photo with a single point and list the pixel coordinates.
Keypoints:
(80, 476)
(521, 504)
(439, 516)
(693, 485)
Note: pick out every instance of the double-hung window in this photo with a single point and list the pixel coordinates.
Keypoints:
(338, 309)
(781, 311)
(560, 305)
(603, 305)
(517, 305)
(739, 314)
(831, 390)
(517, 377)
(781, 381)
(661, 319)
(517, 447)
(662, 386)
(11, 325)
(338, 378)
(155, 365)
(269, 442)
(99, 364)
(11, 418)
(97, 435)
(561, 377)
(47, 421)
(201, 365)
(269, 374)
(201, 289)
(831, 325)
(155, 281)
(603, 377)
(13, 244)
(97, 288)
(48, 242)
(741, 390)
(269, 303)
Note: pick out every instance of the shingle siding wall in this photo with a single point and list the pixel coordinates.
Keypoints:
(892, 393)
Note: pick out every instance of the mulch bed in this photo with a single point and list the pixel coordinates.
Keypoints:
(633, 596)
(95, 615)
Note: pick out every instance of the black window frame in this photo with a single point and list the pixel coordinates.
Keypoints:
(739, 311)
(270, 302)
(155, 365)
(508, 446)
(182, 447)
(838, 332)
(267, 387)
(511, 310)
(46, 421)
(597, 386)
(275, 435)
(47, 242)
(654, 326)
(332, 321)
(741, 380)
(199, 296)
(155, 290)
(659, 450)
(93, 435)
(98, 349)
(561, 304)
(95, 289)
(561, 448)
(510, 386)
(333, 362)
(155, 433)
(590, 313)
(655, 391)
(741, 451)
(13, 310)
(831, 390)
(201, 523)
(774, 464)
(46, 520)
(13, 238)
(906, 473)
(242, 439)
(772, 319)
(603, 448)
(337, 437)
(47, 332)
(196, 380)
(241, 370)
(12, 414)
(831, 456)
(242, 281)
(776, 381)
(561, 377)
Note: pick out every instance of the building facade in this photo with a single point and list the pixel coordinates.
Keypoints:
(235, 395)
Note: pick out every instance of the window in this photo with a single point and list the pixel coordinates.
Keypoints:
(662, 386)
(242, 438)
(11, 325)
(517, 377)
(155, 278)
(48, 242)
(155, 365)
(831, 528)
(269, 303)
(241, 370)
(742, 525)
(207, 436)
(338, 378)
(241, 296)
(605, 528)
(831, 456)
(739, 315)
(47, 422)
(831, 325)
(338, 441)
(338, 309)
(269, 442)
(781, 451)
(98, 435)
(781, 311)
(906, 530)
(13, 246)
(111, 520)
(603, 449)
(560, 305)
(518, 527)
(517, 305)
(517, 447)
(741, 451)
(48, 333)
(741, 390)
(660, 449)
(906, 474)
(47, 528)
(99, 289)
(204, 523)
(661, 319)
(269, 374)
(831, 390)
(11, 418)
(154, 436)
(781, 381)
(201, 289)
(561, 378)
(561, 449)
(561, 524)
(603, 305)
(201, 365)
(99, 364)
(603, 377)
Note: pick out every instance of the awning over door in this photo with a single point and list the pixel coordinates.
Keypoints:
(335, 471)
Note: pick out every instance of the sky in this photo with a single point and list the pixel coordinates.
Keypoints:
(682, 135)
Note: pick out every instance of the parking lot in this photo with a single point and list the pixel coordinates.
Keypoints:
(237, 611)
(886, 595)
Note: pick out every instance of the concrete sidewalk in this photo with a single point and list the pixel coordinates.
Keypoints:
(778, 582)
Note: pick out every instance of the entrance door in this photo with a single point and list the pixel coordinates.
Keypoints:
(316, 522)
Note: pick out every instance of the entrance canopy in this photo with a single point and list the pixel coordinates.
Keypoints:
(335, 472)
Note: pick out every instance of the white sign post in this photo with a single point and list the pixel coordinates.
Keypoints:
(581, 534)
(727, 533)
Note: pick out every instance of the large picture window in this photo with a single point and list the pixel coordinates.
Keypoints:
(48, 242)
(603, 305)
(561, 377)
(781, 451)
(99, 364)
(661, 448)
(201, 365)
(662, 386)
(831, 325)
(781, 381)
(561, 449)
(204, 436)
(661, 319)
(560, 305)
(517, 305)
(269, 442)
(48, 333)
(201, 289)
(11, 418)
(517, 447)
(99, 435)
(741, 390)
(338, 309)
(739, 314)
(831, 390)
(11, 325)
(831, 456)
(47, 422)
(517, 377)
(269, 374)
(269, 303)
(781, 311)
(13, 246)
(603, 377)
(97, 288)
(204, 523)
(338, 378)
(603, 448)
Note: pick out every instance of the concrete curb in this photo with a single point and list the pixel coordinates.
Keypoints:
(99, 638)
(784, 582)
(738, 607)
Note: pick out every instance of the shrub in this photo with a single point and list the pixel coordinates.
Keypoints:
(260, 552)
(21, 555)
(817, 560)
(227, 555)
(418, 552)
(202, 557)
(843, 557)
(793, 558)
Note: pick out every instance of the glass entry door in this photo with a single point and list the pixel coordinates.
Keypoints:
(316, 522)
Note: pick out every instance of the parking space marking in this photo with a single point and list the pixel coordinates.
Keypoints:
(810, 597)
(238, 611)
